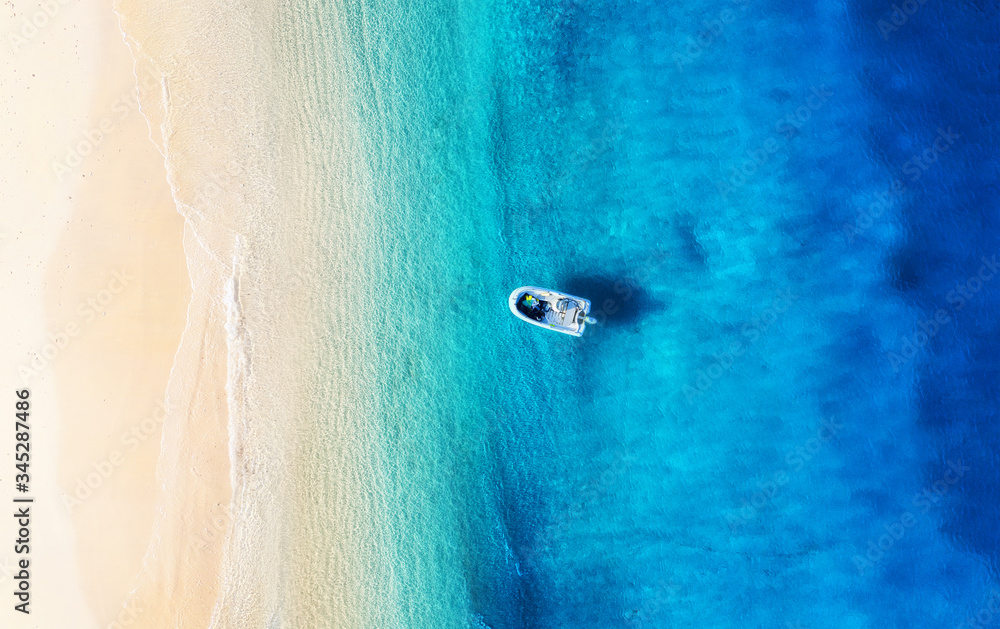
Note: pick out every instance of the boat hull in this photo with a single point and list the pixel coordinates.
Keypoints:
(562, 312)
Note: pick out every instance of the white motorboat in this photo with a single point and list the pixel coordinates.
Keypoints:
(551, 310)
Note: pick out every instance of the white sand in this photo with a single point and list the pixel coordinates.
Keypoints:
(96, 292)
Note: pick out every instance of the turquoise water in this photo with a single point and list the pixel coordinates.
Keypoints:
(745, 439)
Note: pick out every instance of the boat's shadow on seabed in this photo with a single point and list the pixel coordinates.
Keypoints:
(614, 301)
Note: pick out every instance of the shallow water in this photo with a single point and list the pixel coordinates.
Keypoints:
(731, 443)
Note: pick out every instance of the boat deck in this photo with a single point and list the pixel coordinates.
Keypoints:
(571, 321)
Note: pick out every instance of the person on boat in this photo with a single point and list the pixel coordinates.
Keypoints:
(532, 307)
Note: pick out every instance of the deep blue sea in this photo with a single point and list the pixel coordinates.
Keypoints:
(786, 216)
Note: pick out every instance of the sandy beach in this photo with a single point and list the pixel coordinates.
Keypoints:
(93, 258)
